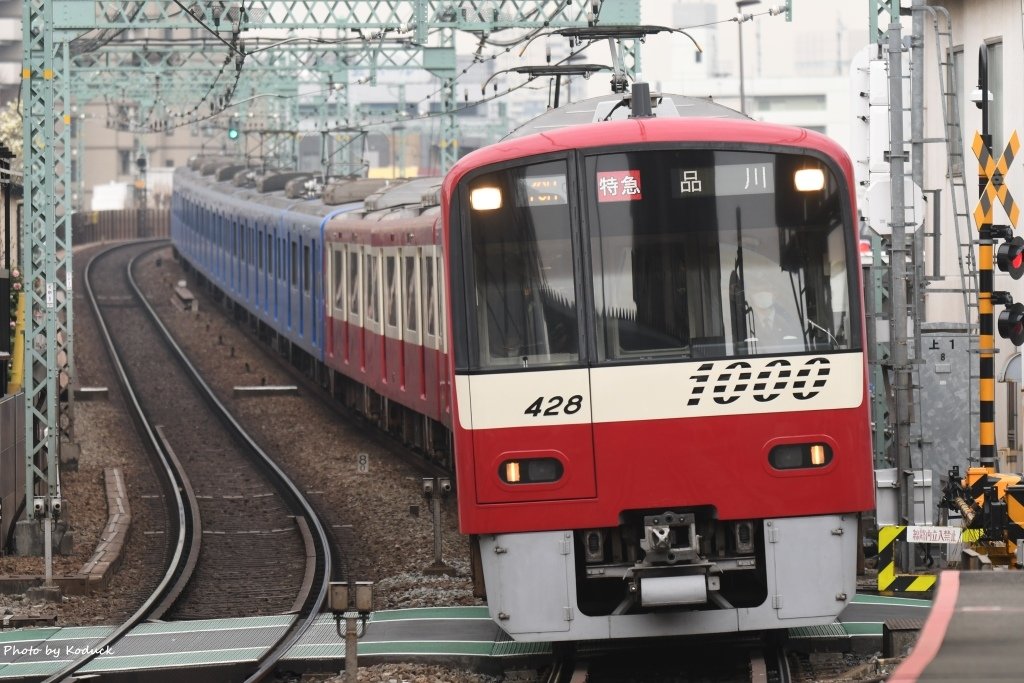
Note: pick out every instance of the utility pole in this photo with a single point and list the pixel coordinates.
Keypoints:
(898, 287)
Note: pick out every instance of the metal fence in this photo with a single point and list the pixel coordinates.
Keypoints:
(125, 224)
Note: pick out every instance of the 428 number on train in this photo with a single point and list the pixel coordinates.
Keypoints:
(553, 406)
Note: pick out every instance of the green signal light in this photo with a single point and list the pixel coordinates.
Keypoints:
(232, 133)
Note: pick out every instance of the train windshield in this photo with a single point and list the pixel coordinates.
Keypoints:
(711, 253)
(685, 253)
(524, 292)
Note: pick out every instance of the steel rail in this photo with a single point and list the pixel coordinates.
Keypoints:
(175, 482)
(171, 481)
(320, 552)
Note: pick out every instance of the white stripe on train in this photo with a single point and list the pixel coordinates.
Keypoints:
(731, 386)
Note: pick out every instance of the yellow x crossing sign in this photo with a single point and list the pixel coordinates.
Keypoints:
(995, 188)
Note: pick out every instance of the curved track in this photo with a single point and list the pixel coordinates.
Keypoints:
(245, 540)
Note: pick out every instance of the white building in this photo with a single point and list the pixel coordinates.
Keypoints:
(997, 25)
(10, 50)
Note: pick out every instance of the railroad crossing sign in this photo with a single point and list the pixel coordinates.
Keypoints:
(994, 171)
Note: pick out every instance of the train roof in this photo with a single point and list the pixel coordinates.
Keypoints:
(616, 107)
(403, 192)
(655, 130)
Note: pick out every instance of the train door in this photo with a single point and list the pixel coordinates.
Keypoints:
(522, 381)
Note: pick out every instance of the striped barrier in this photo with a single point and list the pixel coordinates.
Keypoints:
(888, 579)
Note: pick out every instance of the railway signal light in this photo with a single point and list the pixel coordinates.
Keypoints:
(233, 132)
(1010, 257)
(1011, 323)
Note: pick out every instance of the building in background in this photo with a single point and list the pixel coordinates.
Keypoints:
(10, 50)
(794, 72)
(999, 26)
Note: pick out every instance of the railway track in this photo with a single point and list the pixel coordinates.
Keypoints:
(712, 661)
(242, 540)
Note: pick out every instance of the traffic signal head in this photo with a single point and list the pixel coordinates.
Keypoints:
(1010, 257)
(232, 132)
(1011, 324)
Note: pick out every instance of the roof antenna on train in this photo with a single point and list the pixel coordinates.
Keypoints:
(640, 102)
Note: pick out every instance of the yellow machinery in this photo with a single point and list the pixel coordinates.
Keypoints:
(993, 503)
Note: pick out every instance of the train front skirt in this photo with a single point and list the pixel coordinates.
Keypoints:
(809, 566)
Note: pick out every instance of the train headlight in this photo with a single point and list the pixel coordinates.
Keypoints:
(809, 179)
(485, 198)
(794, 456)
(531, 471)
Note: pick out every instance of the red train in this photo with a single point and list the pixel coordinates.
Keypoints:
(640, 335)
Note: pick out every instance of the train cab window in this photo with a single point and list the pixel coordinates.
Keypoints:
(711, 253)
(521, 287)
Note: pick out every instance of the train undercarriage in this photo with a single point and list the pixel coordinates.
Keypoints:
(670, 559)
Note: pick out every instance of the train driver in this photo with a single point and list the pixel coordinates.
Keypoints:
(773, 326)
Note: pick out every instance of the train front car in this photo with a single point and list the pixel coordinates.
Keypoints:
(661, 413)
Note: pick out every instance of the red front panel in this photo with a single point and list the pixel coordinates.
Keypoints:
(718, 462)
(716, 458)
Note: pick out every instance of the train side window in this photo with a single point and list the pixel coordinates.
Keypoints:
(392, 281)
(371, 290)
(306, 276)
(259, 250)
(411, 291)
(294, 263)
(354, 289)
(270, 254)
(338, 282)
(440, 304)
(430, 297)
